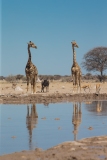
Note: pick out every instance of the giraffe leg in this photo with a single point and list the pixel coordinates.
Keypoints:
(80, 82)
(77, 88)
(27, 83)
(34, 85)
(74, 87)
(73, 81)
(76, 82)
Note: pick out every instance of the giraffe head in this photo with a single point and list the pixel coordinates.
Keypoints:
(31, 44)
(74, 44)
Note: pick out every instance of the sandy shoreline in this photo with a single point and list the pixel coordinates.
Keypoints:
(94, 148)
(47, 98)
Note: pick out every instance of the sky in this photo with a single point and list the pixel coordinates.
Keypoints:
(52, 25)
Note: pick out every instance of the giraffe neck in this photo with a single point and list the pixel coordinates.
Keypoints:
(29, 53)
(74, 56)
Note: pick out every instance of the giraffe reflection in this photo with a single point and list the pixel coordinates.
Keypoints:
(96, 106)
(99, 106)
(76, 118)
(31, 121)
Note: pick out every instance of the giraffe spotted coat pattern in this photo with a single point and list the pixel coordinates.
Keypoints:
(31, 70)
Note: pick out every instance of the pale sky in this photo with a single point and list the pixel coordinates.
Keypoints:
(51, 25)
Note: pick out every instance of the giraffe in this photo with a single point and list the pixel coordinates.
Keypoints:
(75, 69)
(31, 70)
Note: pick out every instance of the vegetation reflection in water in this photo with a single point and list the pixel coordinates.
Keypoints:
(50, 124)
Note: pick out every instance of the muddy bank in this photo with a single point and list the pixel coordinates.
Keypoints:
(58, 92)
(49, 98)
(94, 148)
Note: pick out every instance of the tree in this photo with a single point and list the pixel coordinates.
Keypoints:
(19, 76)
(96, 60)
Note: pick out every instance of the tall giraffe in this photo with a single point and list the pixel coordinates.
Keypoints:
(75, 69)
(31, 70)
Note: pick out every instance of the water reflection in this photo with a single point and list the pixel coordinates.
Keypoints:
(33, 131)
(31, 121)
(97, 107)
(76, 118)
(46, 104)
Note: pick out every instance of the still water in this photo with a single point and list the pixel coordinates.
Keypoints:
(25, 127)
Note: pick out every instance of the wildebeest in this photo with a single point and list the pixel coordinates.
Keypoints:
(45, 83)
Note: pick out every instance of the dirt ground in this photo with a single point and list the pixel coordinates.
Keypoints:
(86, 149)
(54, 87)
(58, 92)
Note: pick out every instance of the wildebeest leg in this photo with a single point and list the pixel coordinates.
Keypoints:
(47, 88)
(42, 88)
